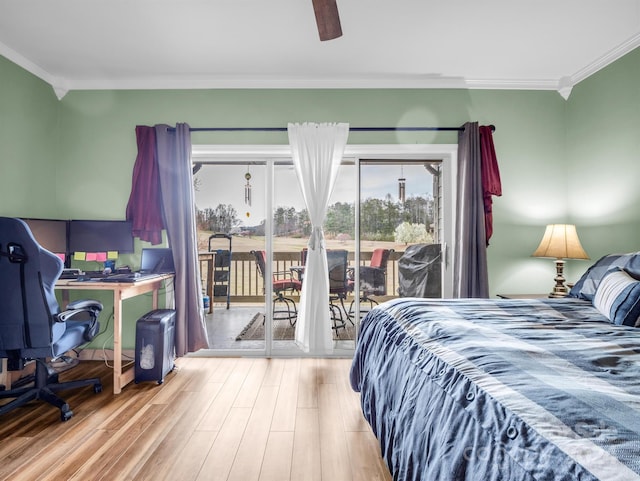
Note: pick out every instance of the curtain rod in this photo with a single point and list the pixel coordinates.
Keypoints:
(352, 129)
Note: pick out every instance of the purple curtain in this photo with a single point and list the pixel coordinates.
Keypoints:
(165, 169)
(144, 208)
(176, 180)
(470, 275)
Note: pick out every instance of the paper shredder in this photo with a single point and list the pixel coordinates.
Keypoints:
(155, 345)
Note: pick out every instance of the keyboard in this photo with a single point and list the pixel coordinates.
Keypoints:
(129, 277)
(73, 274)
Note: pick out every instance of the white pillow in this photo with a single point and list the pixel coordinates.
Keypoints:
(618, 298)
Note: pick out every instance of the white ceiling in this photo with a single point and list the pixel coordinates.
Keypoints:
(149, 44)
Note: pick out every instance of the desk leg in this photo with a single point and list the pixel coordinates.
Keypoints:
(120, 379)
(117, 342)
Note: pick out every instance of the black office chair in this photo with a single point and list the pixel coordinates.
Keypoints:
(32, 328)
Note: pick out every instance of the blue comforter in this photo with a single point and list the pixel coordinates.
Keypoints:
(494, 389)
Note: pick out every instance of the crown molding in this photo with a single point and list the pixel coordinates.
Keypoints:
(563, 85)
(58, 85)
(354, 82)
(26, 64)
(271, 82)
(606, 59)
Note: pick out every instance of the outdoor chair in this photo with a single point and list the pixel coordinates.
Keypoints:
(283, 282)
(373, 279)
(339, 287)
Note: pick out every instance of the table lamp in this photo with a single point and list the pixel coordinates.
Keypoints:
(560, 241)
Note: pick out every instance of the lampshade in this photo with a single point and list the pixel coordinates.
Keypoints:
(560, 241)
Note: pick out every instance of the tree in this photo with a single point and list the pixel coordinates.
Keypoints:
(280, 221)
(392, 215)
(371, 215)
(340, 219)
(303, 222)
(411, 233)
(221, 219)
(418, 210)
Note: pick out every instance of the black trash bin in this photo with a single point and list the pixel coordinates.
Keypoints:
(155, 345)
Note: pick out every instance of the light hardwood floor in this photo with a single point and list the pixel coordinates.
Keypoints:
(212, 419)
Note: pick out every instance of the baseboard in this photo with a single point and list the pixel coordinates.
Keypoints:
(105, 354)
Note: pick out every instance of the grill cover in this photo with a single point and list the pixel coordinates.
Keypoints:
(419, 271)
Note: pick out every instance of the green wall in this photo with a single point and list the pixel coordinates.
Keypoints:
(560, 160)
(603, 158)
(28, 144)
(97, 142)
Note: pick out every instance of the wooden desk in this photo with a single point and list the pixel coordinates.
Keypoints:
(121, 291)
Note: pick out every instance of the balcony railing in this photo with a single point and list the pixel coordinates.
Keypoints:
(245, 283)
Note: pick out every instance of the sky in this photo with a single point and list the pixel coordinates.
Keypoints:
(225, 184)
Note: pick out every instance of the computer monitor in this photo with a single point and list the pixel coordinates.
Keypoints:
(100, 236)
(157, 261)
(50, 234)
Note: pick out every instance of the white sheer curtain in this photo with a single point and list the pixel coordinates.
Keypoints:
(317, 151)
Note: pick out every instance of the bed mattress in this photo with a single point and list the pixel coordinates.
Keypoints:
(496, 389)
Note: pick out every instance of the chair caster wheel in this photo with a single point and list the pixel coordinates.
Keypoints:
(65, 413)
(97, 388)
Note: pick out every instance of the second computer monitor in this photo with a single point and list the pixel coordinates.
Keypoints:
(100, 236)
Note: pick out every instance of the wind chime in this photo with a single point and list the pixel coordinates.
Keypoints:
(247, 190)
(401, 185)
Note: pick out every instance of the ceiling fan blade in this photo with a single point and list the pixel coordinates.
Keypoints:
(327, 19)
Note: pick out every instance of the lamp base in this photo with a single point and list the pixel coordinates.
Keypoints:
(559, 290)
(556, 294)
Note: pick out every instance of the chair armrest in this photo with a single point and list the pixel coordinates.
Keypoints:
(91, 306)
(297, 272)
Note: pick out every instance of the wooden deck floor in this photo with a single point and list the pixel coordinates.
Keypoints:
(212, 419)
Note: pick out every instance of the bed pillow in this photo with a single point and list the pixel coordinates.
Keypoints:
(618, 298)
(587, 285)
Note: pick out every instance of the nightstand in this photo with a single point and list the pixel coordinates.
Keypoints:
(522, 296)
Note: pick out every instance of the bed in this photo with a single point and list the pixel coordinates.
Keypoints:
(508, 389)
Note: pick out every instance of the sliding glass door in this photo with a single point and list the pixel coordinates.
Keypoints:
(230, 214)
(253, 228)
(401, 217)
(390, 198)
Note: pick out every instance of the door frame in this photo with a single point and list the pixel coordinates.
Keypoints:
(446, 153)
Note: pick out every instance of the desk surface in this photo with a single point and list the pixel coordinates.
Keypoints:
(98, 284)
(125, 289)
